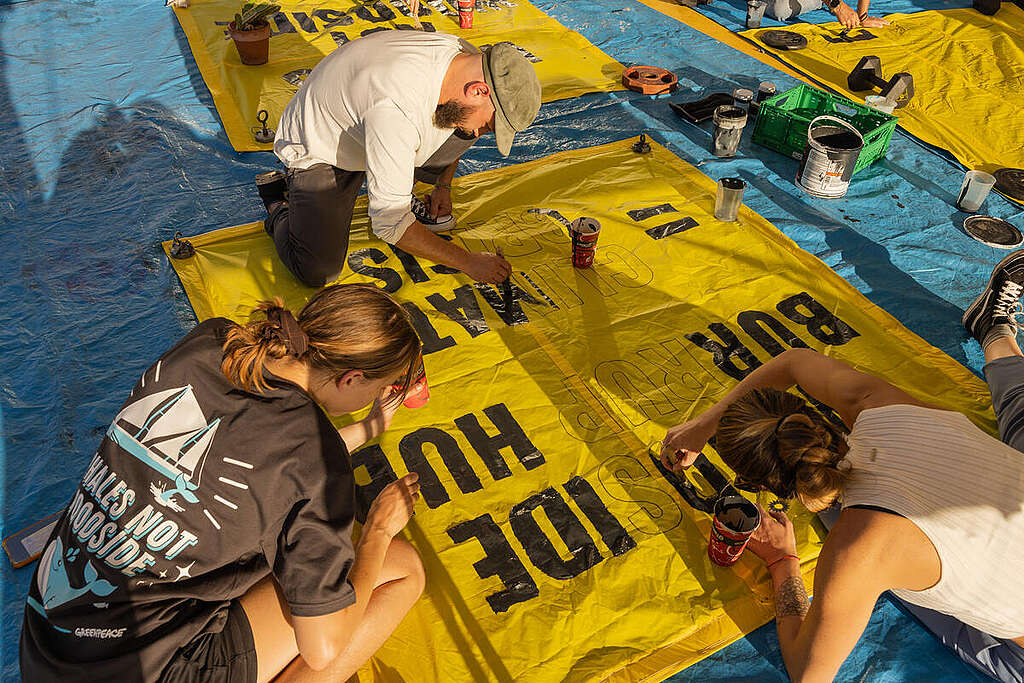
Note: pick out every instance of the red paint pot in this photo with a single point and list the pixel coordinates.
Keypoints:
(736, 518)
(466, 13)
(584, 233)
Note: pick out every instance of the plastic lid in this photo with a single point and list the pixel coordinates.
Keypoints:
(995, 232)
(742, 94)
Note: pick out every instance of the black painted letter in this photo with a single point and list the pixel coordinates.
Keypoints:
(538, 546)
(411, 448)
(612, 533)
(510, 434)
(499, 560)
(723, 354)
(821, 323)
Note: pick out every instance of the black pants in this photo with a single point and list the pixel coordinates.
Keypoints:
(228, 656)
(311, 231)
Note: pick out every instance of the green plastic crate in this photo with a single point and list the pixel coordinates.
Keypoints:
(782, 122)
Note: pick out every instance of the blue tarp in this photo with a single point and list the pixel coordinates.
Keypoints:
(112, 144)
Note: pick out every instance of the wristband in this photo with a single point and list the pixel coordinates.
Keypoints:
(780, 559)
(443, 186)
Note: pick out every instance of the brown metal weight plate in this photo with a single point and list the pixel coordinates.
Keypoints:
(649, 80)
(782, 40)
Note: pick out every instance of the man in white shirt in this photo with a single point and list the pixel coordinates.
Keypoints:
(390, 107)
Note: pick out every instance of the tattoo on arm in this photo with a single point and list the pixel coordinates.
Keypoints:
(791, 598)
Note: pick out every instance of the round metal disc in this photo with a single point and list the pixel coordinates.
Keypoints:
(995, 232)
(1010, 181)
(783, 40)
(649, 80)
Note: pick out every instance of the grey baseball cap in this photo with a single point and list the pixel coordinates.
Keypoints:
(515, 92)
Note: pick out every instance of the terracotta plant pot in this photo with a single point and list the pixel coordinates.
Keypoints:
(253, 46)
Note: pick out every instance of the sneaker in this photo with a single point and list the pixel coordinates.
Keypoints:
(999, 303)
(422, 213)
(272, 187)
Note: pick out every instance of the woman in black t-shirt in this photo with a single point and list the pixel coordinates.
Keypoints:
(211, 536)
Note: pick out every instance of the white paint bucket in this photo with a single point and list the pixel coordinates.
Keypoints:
(833, 146)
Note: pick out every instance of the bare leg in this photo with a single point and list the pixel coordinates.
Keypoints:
(1003, 347)
(399, 586)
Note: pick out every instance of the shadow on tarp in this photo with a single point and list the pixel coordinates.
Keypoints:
(89, 298)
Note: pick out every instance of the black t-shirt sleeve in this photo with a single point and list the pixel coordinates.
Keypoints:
(312, 554)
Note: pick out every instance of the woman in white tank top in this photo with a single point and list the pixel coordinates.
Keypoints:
(932, 507)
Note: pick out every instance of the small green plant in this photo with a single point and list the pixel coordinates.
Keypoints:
(254, 15)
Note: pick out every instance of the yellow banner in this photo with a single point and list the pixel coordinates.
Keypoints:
(304, 32)
(554, 548)
(968, 72)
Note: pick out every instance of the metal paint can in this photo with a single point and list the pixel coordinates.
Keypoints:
(725, 136)
(736, 518)
(584, 232)
(830, 156)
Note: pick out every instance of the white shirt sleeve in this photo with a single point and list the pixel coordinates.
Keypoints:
(391, 141)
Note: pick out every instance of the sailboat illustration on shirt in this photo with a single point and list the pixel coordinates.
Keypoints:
(167, 431)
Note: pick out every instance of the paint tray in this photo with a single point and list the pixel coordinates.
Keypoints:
(782, 122)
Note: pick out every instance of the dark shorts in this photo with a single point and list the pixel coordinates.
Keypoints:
(228, 656)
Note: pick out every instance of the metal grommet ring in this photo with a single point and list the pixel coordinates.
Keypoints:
(261, 133)
(181, 248)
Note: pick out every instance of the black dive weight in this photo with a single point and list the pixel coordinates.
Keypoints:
(867, 75)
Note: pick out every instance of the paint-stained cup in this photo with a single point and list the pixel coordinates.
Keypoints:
(466, 13)
(973, 190)
(882, 104)
(584, 232)
(755, 12)
(725, 136)
(736, 518)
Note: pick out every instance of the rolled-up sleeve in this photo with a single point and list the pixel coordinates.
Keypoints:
(391, 141)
